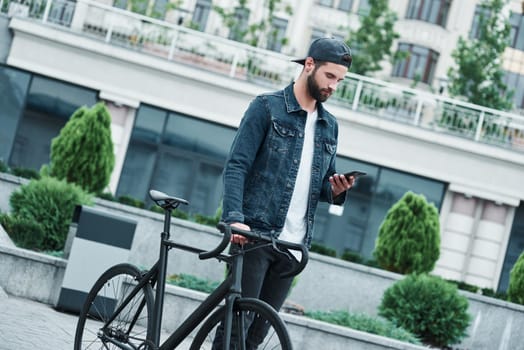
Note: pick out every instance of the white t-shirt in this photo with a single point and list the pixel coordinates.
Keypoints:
(295, 226)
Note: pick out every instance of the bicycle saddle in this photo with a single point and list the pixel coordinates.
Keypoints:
(165, 200)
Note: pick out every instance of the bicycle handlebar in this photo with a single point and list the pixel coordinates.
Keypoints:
(253, 236)
(226, 238)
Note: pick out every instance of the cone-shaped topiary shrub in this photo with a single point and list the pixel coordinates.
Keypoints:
(428, 307)
(516, 282)
(83, 151)
(409, 237)
(49, 202)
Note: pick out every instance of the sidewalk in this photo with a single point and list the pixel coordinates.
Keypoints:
(29, 325)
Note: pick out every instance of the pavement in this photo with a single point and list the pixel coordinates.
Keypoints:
(30, 325)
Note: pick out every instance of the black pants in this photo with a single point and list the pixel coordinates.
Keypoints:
(261, 279)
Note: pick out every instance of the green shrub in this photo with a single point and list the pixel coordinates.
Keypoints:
(464, 286)
(49, 202)
(364, 323)
(429, 307)
(107, 196)
(206, 220)
(83, 151)
(323, 250)
(128, 200)
(516, 281)
(177, 213)
(26, 173)
(25, 233)
(494, 294)
(3, 167)
(351, 256)
(192, 282)
(409, 237)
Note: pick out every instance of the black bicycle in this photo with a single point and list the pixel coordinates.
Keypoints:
(121, 311)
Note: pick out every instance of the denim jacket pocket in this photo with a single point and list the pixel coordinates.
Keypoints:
(330, 146)
(282, 136)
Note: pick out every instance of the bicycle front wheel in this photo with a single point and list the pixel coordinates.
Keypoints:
(256, 325)
(131, 326)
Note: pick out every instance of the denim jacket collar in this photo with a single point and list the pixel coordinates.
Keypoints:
(292, 104)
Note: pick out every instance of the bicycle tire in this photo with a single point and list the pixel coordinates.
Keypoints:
(276, 337)
(105, 296)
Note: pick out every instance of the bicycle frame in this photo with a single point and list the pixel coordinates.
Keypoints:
(229, 290)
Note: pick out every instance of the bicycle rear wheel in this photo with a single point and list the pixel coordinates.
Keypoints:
(248, 314)
(131, 326)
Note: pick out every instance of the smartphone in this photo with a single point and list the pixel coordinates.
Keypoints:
(354, 173)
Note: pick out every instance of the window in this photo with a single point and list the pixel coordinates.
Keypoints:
(419, 65)
(515, 82)
(167, 154)
(201, 13)
(49, 105)
(481, 14)
(345, 5)
(121, 4)
(62, 13)
(277, 34)
(363, 7)
(317, 33)
(328, 3)
(432, 11)
(517, 31)
(159, 9)
(241, 24)
(515, 247)
(368, 202)
(14, 85)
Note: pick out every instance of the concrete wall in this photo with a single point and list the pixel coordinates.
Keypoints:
(30, 275)
(6, 36)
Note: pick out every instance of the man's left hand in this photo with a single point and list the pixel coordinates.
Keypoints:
(339, 183)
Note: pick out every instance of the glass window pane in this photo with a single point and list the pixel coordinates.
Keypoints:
(159, 9)
(515, 247)
(149, 124)
(13, 90)
(345, 5)
(198, 136)
(363, 7)
(367, 205)
(201, 13)
(185, 159)
(392, 185)
(141, 153)
(49, 105)
(135, 179)
(420, 63)
(277, 34)
(328, 3)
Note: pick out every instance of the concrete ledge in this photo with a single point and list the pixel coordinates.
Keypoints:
(31, 275)
(305, 333)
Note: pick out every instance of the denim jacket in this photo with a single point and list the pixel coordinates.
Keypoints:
(260, 172)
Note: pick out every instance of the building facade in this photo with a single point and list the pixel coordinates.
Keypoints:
(176, 96)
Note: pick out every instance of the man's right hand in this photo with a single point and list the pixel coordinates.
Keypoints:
(238, 238)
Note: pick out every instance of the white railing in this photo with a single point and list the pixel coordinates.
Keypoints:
(240, 61)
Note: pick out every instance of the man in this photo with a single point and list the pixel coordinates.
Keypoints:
(281, 163)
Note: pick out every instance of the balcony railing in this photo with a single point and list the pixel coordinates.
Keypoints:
(239, 61)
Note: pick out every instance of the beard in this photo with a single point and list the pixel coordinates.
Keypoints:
(319, 94)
